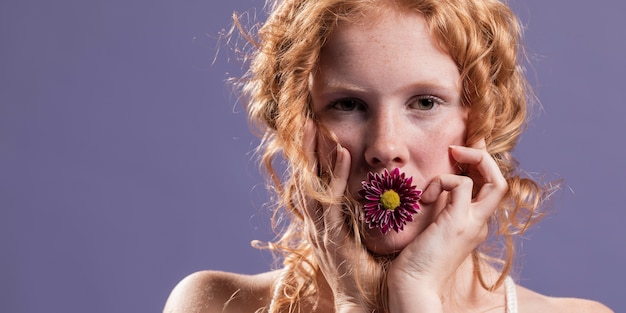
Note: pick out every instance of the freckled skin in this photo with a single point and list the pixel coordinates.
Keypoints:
(387, 65)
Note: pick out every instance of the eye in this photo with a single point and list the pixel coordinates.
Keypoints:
(425, 103)
(348, 104)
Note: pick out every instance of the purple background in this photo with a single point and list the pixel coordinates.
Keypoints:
(125, 162)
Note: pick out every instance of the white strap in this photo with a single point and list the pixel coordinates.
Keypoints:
(511, 295)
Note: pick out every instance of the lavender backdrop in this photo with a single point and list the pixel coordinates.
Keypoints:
(125, 161)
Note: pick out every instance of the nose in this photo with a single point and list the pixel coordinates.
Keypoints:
(386, 141)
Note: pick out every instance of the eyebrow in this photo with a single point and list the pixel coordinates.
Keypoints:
(431, 86)
(342, 86)
(434, 86)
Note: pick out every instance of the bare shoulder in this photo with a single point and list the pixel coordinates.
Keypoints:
(214, 291)
(581, 305)
(530, 301)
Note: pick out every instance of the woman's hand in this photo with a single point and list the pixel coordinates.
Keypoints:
(345, 264)
(418, 276)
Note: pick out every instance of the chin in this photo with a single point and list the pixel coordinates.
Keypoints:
(392, 242)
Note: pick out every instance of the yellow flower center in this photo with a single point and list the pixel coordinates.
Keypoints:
(390, 200)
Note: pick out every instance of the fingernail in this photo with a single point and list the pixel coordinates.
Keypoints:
(339, 151)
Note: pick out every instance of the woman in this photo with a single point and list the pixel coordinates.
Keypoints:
(396, 119)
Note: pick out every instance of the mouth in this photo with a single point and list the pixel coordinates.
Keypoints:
(389, 200)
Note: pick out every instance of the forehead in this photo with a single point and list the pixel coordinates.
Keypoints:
(386, 45)
(385, 23)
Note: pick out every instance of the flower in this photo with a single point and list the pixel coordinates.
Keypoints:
(390, 200)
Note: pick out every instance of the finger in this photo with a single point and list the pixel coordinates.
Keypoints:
(493, 185)
(338, 185)
(459, 188)
(479, 159)
(313, 209)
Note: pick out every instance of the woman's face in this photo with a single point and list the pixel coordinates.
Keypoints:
(392, 98)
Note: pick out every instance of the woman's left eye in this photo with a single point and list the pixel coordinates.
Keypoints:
(425, 103)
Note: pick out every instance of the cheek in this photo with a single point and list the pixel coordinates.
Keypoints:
(432, 157)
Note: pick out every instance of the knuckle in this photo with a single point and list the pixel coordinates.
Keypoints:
(466, 182)
(504, 186)
(501, 186)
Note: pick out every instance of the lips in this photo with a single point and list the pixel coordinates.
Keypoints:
(389, 200)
